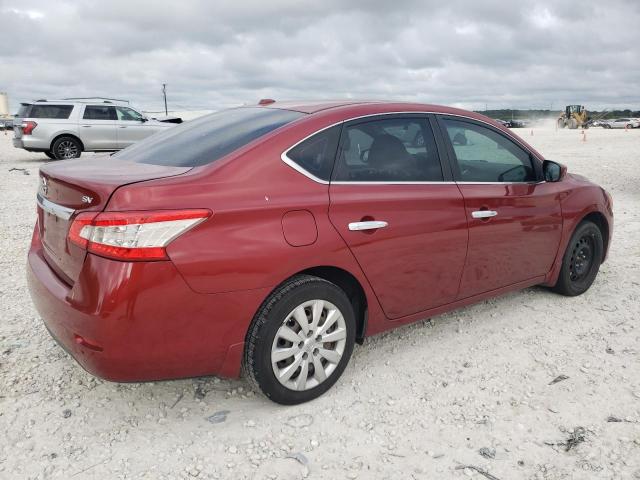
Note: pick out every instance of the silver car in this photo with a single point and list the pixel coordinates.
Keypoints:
(622, 123)
(65, 128)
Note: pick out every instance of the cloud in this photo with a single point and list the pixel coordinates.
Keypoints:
(217, 54)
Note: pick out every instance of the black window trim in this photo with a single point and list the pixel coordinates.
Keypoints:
(453, 164)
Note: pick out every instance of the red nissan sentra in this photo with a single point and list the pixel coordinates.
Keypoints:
(275, 237)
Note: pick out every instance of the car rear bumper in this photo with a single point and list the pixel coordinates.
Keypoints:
(30, 143)
(139, 321)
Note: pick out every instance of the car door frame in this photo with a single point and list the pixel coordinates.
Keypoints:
(123, 128)
(86, 123)
(536, 162)
(447, 179)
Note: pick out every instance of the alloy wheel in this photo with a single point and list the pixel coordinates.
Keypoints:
(67, 149)
(309, 345)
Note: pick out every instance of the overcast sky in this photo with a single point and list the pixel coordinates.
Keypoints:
(213, 54)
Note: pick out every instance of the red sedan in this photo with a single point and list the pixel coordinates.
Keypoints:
(275, 237)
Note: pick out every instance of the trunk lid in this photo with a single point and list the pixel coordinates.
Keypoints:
(73, 186)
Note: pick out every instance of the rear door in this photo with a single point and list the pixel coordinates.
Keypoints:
(514, 217)
(399, 212)
(98, 127)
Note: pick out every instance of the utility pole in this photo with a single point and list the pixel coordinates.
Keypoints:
(164, 93)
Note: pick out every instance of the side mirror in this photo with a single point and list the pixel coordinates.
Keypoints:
(144, 119)
(553, 171)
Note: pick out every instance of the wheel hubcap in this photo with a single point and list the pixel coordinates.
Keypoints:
(309, 345)
(581, 258)
(67, 149)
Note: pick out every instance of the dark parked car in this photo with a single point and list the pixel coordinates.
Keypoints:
(276, 237)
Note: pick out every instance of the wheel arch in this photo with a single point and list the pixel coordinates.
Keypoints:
(601, 221)
(65, 134)
(349, 284)
(352, 287)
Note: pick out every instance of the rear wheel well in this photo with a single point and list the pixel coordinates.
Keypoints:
(351, 286)
(601, 222)
(66, 135)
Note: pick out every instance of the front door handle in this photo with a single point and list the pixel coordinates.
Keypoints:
(122, 126)
(371, 225)
(484, 213)
(86, 126)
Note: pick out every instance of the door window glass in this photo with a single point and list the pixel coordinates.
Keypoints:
(389, 150)
(94, 112)
(483, 155)
(128, 114)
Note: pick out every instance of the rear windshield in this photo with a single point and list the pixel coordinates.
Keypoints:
(207, 139)
(45, 111)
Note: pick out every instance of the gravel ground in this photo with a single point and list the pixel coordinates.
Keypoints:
(419, 402)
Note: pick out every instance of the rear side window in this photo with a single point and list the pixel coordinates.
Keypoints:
(93, 112)
(389, 150)
(46, 111)
(207, 139)
(317, 153)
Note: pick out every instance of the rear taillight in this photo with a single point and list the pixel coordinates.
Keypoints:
(27, 127)
(132, 235)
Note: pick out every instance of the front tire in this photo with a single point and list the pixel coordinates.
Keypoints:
(300, 341)
(581, 260)
(66, 148)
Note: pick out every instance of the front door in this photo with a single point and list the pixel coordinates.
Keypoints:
(405, 226)
(514, 218)
(131, 126)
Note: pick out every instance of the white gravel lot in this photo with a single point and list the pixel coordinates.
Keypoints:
(415, 403)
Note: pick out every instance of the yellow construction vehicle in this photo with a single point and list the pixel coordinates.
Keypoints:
(574, 116)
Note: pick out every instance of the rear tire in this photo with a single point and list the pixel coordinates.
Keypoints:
(581, 260)
(50, 155)
(288, 364)
(66, 148)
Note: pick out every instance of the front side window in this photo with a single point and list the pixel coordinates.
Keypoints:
(128, 114)
(388, 150)
(483, 155)
(317, 153)
(94, 112)
(47, 111)
(209, 138)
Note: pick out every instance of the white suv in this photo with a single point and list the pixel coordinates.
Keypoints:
(66, 128)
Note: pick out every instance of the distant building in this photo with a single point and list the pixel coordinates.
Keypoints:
(4, 105)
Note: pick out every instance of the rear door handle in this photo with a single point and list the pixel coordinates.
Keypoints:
(122, 126)
(86, 126)
(372, 225)
(484, 213)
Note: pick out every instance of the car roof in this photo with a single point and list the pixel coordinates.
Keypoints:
(358, 108)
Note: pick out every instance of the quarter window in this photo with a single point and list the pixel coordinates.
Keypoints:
(46, 111)
(93, 112)
(317, 153)
(483, 155)
(389, 150)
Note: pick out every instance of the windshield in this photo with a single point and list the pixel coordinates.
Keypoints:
(207, 139)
